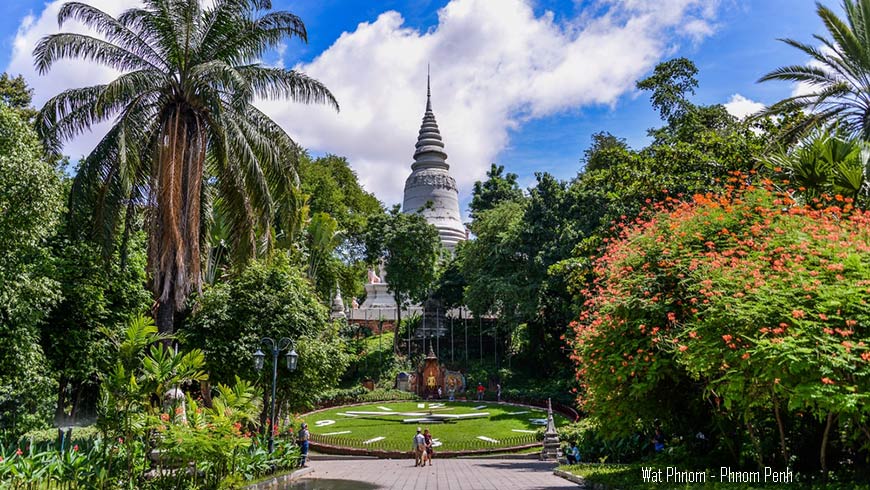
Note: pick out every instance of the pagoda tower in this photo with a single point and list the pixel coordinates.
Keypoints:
(430, 189)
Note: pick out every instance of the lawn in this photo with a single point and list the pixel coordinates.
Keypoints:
(504, 426)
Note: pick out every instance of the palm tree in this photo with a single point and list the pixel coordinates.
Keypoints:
(838, 75)
(184, 127)
(826, 163)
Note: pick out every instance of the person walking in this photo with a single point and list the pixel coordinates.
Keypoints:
(480, 390)
(302, 439)
(419, 447)
(498, 392)
(430, 449)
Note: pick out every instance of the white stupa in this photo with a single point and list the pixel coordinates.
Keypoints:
(430, 189)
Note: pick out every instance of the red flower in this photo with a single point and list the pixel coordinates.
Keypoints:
(672, 317)
(76, 448)
(164, 417)
(727, 338)
(798, 314)
(683, 348)
(19, 452)
(828, 381)
(120, 440)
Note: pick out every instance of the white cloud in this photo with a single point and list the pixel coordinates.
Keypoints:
(495, 65)
(740, 107)
(66, 73)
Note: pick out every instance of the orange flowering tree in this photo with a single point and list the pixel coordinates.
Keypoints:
(744, 315)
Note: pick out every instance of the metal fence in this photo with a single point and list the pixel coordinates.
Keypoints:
(405, 445)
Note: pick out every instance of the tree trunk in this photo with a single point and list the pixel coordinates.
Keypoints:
(782, 446)
(756, 443)
(60, 412)
(823, 453)
(397, 327)
(205, 389)
(165, 317)
(74, 411)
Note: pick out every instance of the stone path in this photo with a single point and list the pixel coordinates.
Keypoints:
(445, 474)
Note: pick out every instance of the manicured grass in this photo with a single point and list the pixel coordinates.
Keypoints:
(501, 423)
(623, 476)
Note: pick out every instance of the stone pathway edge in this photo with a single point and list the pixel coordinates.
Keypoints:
(580, 481)
(274, 483)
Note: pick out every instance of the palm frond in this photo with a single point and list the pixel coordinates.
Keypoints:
(278, 83)
(55, 47)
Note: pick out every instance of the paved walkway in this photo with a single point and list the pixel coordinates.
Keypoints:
(445, 474)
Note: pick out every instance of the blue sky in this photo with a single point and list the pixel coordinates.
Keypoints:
(377, 69)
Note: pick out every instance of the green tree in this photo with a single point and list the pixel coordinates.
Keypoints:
(182, 114)
(96, 297)
(30, 206)
(15, 94)
(604, 151)
(837, 78)
(332, 187)
(490, 263)
(410, 248)
(497, 187)
(267, 300)
(671, 83)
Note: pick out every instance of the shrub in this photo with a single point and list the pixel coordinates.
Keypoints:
(597, 446)
(84, 436)
(358, 394)
(744, 315)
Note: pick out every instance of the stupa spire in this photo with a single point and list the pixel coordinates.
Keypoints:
(429, 151)
(428, 91)
(430, 189)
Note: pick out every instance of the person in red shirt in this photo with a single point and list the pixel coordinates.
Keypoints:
(480, 390)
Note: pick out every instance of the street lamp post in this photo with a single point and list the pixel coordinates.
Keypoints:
(292, 358)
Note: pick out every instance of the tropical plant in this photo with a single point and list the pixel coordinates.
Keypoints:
(825, 163)
(183, 121)
(836, 79)
(144, 371)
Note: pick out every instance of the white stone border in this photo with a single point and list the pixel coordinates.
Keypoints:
(278, 481)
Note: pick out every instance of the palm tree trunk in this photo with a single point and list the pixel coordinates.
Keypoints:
(165, 317)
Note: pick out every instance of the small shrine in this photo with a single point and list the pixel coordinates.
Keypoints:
(550, 450)
(429, 377)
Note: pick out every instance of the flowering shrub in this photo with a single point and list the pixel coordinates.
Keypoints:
(732, 310)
